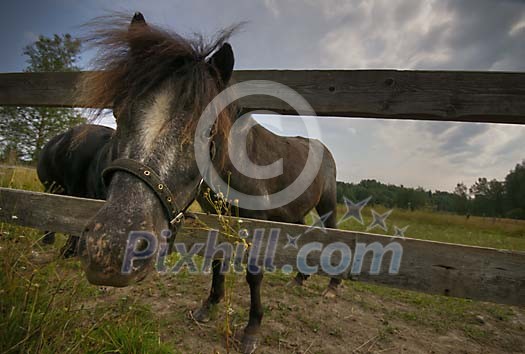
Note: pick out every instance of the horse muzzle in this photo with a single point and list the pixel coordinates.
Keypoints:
(110, 252)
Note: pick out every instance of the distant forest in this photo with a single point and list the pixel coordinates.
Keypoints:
(484, 198)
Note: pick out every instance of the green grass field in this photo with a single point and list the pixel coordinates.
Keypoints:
(47, 306)
(477, 231)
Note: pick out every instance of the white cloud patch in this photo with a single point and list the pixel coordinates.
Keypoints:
(379, 34)
(459, 152)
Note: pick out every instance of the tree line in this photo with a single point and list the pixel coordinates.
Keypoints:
(485, 197)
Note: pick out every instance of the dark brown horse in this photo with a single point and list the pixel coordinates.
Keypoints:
(74, 169)
(159, 85)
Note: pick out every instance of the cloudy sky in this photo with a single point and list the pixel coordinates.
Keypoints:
(332, 34)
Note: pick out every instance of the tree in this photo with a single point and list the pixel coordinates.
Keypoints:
(461, 191)
(515, 188)
(27, 129)
(485, 197)
(480, 187)
(489, 197)
(497, 197)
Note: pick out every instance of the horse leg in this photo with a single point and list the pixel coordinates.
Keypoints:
(328, 204)
(49, 236)
(205, 312)
(251, 332)
(69, 250)
(299, 277)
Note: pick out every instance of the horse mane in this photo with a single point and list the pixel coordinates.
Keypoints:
(134, 59)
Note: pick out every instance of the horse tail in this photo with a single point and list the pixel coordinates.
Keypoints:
(47, 171)
(328, 200)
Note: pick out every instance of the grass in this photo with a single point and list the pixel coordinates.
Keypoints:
(20, 178)
(46, 305)
(426, 225)
(50, 307)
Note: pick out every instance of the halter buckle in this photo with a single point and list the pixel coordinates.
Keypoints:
(177, 219)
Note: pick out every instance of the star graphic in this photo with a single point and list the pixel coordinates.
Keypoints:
(292, 241)
(379, 220)
(353, 210)
(319, 222)
(400, 232)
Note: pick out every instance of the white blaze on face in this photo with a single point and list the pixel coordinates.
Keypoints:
(156, 116)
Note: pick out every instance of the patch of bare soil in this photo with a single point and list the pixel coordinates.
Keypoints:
(300, 320)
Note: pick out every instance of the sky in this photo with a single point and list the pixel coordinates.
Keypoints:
(334, 34)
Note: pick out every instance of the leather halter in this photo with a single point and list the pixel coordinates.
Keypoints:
(154, 182)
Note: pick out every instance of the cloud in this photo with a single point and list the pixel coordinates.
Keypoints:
(386, 34)
(439, 158)
(414, 34)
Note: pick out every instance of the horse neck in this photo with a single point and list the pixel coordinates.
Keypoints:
(106, 155)
(223, 164)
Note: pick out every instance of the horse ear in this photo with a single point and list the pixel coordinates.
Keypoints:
(138, 19)
(137, 26)
(223, 61)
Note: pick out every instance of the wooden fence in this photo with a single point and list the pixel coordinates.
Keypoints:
(492, 97)
(433, 267)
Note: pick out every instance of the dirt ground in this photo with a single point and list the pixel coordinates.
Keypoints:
(363, 319)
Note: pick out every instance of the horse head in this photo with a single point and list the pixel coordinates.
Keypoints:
(158, 84)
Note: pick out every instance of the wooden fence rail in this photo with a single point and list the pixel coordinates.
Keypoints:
(495, 97)
(432, 267)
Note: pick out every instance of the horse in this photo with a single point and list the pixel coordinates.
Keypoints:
(159, 85)
(66, 168)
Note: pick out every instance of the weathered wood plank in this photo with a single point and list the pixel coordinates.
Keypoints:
(495, 97)
(432, 267)
(38, 89)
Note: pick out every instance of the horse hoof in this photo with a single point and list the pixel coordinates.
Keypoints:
(205, 313)
(202, 315)
(330, 293)
(249, 344)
